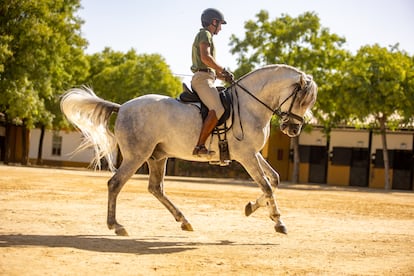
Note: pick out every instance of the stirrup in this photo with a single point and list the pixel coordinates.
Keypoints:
(201, 151)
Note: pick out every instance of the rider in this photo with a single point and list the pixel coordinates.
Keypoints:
(206, 69)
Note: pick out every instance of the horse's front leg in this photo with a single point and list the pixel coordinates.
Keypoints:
(253, 206)
(257, 172)
(156, 187)
(273, 175)
(274, 180)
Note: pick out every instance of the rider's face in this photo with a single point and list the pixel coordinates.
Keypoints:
(216, 26)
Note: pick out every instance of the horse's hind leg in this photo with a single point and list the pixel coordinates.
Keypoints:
(115, 184)
(156, 187)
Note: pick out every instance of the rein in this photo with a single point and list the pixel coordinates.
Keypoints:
(278, 111)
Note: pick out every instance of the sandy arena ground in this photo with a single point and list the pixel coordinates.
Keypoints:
(53, 222)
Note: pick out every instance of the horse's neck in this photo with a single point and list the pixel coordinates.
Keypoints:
(269, 82)
(250, 105)
(266, 85)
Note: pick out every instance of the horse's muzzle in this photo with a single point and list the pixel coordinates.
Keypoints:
(291, 130)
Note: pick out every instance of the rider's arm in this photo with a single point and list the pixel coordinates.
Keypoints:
(208, 59)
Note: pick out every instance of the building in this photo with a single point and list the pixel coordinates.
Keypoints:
(59, 149)
(350, 157)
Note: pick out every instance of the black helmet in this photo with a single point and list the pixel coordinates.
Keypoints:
(209, 15)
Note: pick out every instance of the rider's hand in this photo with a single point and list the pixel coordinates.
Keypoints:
(227, 76)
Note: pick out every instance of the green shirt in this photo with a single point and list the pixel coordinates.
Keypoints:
(203, 36)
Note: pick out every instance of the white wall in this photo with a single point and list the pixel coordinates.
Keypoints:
(314, 138)
(70, 141)
(349, 138)
(354, 138)
(395, 141)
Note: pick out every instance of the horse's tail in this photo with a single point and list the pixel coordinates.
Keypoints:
(90, 114)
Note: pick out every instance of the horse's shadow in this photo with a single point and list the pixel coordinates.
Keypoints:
(105, 244)
(96, 243)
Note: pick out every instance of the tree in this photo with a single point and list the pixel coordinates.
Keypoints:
(301, 42)
(120, 77)
(378, 91)
(41, 52)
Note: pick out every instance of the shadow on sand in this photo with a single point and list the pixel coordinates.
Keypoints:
(106, 244)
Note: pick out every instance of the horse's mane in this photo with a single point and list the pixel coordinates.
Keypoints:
(309, 87)
(271, 66)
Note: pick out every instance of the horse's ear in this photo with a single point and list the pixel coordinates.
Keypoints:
(302, 81)
(305, 80)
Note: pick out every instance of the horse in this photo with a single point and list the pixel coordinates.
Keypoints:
(152, 128)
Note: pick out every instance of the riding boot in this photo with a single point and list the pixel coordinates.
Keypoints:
(209, 124)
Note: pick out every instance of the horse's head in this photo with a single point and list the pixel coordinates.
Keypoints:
(296, 105)
(290, 92)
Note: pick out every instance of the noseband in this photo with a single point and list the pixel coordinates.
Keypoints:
(283, 115)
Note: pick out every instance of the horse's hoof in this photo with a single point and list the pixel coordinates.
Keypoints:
(248, 210)
(281, 228)
(186, 226)
(121, 231)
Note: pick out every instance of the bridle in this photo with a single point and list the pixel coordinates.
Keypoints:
(283, 115)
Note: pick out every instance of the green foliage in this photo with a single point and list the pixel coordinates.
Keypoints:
(408, 86)
(41, 53)
(378, 85)
(300, 42)
(120, 77)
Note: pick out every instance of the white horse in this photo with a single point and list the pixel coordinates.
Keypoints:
(152, 128)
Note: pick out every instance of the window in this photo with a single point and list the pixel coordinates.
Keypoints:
(56, 145)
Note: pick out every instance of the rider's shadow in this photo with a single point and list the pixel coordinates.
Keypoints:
(104, 244)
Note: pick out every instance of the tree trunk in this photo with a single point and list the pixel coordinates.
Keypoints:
(40, 150)
(25, 145)
(383, 129)
(7, 156)
(296, 159)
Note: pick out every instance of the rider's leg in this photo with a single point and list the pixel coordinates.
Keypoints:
(209, 124)
(203, 83)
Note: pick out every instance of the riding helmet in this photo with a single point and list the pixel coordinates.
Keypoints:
(209, 15)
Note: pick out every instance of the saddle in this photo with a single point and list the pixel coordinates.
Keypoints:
(191, 96)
